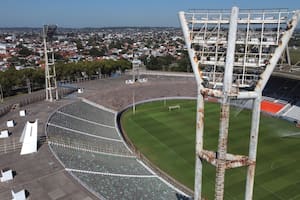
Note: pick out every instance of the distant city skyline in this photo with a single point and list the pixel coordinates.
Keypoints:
(116, 13)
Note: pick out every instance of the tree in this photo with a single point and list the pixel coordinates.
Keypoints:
(13, 78)
(159, 63)
(58, 56)
(79, 44)
(9, 79)
(96, 52)
(24, 51)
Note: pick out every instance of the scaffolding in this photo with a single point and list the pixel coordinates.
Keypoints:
(50, 73)
(233, 53)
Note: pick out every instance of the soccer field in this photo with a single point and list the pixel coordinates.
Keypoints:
(167, 138)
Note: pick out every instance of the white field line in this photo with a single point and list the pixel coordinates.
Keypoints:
(88, 150)
(111, 174)
(270, 191)
(84, 133)
(85, 120)
(290, 134)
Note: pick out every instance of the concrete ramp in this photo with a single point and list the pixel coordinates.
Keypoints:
(29, 138)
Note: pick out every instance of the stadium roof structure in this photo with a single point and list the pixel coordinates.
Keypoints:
(233, 53)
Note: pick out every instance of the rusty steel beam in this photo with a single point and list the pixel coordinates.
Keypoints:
(264, 77)
(199, 145)
(211, 92)
(225, 106)
(234, 95)
(200, 108)
(253, 147)
(191, 52)
(233, 157)
(209, 156)
(232, 161)
(221, 159)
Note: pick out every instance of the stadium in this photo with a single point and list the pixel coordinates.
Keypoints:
(88, 158)
(123, 137)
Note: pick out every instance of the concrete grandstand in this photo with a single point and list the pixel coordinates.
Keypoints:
(104, 163)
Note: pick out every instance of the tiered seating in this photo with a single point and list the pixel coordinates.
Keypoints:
(97, 162)
(128, 188)
(83, 126)
(283, 89)
(71, 138)
(85, 140)
(293, 113)
(89, 112)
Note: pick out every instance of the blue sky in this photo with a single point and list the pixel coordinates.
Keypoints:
(106, 13)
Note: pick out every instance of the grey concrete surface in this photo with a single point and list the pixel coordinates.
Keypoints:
(40, 173)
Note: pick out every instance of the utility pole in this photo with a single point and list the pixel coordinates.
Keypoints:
(28, 85)
(1, 94)
(133, 102)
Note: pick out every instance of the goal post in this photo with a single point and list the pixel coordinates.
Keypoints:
(174, 107)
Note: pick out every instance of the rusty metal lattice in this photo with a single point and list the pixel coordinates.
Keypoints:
(233, 53)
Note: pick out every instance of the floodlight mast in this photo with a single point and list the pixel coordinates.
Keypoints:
(50, 73)
(250, 34)
(225, 106)
(136, 64)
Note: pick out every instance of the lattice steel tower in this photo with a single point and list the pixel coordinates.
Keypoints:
(233, 54)
(136, 65)
(50, 74)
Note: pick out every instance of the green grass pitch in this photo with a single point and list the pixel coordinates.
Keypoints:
(167, 138)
